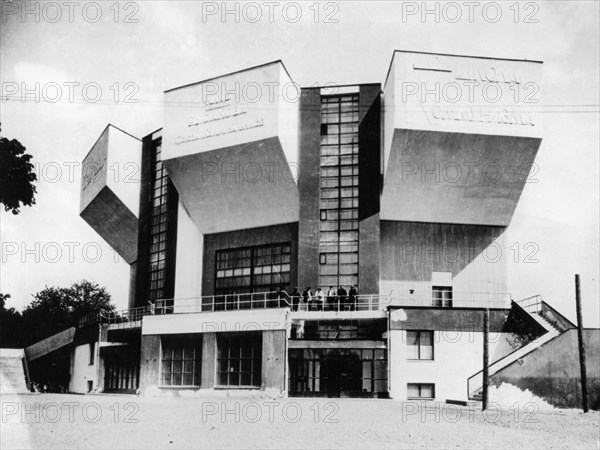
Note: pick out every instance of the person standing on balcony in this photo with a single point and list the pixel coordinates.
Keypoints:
(342, 298)
(352, 298)
(331, 298)
(307, 297)
(319, 298)
(295, 299)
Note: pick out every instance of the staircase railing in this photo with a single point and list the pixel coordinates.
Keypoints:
(531, 304)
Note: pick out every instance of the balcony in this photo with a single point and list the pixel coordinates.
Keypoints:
(331, 307)
(363, 306)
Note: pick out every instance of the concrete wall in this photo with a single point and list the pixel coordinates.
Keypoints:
(81, 370)
(369, 160)
(308, 187)
(149, 364)
(274, 361)
(411, 251)
(273, 366)
(552, 371)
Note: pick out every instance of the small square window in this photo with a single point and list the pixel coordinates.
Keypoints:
(420, 391)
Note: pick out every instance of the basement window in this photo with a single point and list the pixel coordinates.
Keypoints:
(423, 391)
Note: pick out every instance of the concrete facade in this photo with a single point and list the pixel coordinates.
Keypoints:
(419, 229)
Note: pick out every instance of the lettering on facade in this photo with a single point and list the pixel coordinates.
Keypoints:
(480, 74)
(489, 74)
(485, 115)
(216, 110)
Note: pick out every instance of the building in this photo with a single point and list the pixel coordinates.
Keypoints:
(255, 186)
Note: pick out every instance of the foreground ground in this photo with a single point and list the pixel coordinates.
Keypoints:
(111, 421)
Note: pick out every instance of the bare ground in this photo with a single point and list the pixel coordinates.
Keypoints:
(118, 421)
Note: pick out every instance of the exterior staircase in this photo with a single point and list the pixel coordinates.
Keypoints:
(13, 379)
(533, 308)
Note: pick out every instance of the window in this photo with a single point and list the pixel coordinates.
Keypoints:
(181, 360)
(338, 227)
(253, 269)
(421, 391)
(420, 344)
(239, 359)
(442, 296)
(92, 353)
(158, 226)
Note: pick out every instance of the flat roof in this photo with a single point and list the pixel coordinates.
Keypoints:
(103, 131)
(455, 56)
(278, 61)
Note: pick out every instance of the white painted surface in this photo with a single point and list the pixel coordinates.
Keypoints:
(430, 89)
(188, 267)
(457, 356)
(124, 161)
(215, 322)
(81, 370)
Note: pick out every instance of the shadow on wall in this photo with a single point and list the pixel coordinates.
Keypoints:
(552, 371)
(410, 251)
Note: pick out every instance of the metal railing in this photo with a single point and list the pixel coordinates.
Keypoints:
(112, 317)
(273, 299)
(449, 299)
(228, 302)
(531, 304)
(360, 302)
(129, 315)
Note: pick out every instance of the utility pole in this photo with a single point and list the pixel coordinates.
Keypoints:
(486, 358)
(582, 363)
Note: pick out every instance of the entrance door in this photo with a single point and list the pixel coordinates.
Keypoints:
(338, 373)
(343, 375)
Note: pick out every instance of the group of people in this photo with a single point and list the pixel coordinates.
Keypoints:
(341, 300)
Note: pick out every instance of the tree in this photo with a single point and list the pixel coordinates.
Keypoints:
(56, 309)
(11, 327)
(16, 176)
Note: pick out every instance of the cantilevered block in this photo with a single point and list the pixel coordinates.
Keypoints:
(110, 190)
(461, 135)
(230, 147)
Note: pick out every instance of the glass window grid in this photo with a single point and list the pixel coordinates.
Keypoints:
(253, 269)
(239, 359)
(181, 360)
(338, 230)
(158, 227)
(305, 369)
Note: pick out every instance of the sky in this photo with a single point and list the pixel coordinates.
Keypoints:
(112, 61)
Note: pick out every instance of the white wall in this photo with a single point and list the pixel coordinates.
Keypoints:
(188, 267)
(81, 370)
(123, 171)
(457, 356)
